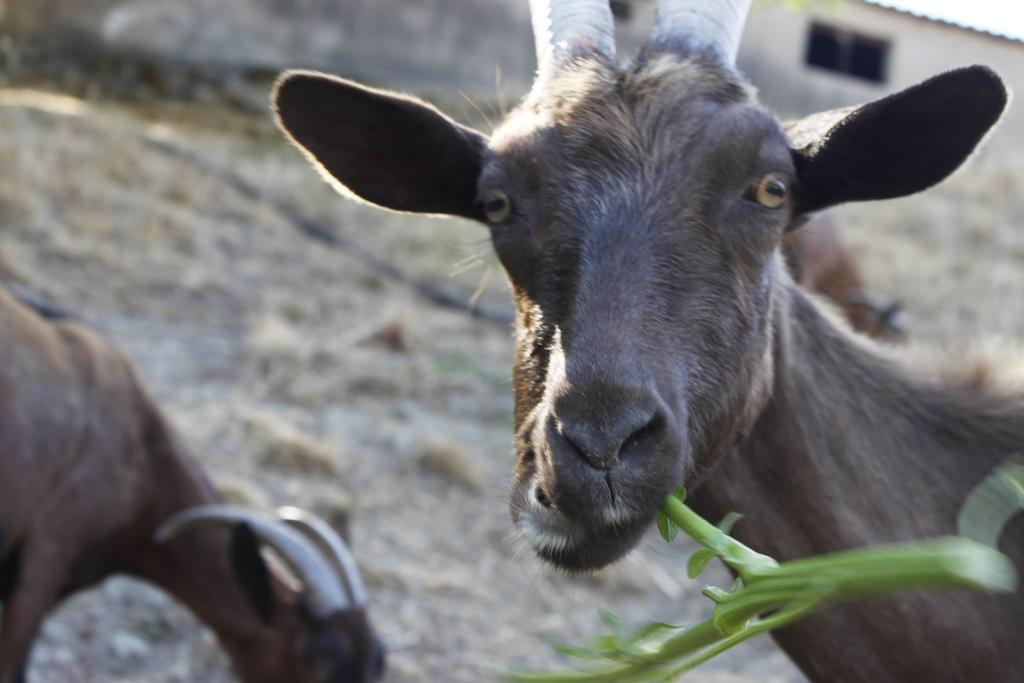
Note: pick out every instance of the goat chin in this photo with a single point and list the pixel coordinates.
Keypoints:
(573, 547)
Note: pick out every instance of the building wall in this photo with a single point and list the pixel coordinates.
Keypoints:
(469, 45)
(776, 38)
(477, 46)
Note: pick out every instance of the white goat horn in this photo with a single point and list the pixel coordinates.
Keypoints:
(324, 591)
(702, 24)
(332, 544)
(562, 26)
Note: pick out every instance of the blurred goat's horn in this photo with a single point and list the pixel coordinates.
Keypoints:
(321, 533)
(702, 24)
(564, 27)
(324, 591)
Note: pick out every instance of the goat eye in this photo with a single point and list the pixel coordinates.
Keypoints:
(770, 191)
(497, 206)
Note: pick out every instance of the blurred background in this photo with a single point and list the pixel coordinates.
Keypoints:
(144, 187)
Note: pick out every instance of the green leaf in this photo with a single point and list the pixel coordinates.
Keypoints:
(719, 595)
(991, 504)
(666, 527)
(610, 620)
(698, 561)
(584, 653)
(729, 521)
(649, 638)
(728, 624)
(606, 644)
(680, 494)
(716, 594)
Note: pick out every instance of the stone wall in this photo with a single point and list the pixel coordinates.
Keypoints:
(469, 45)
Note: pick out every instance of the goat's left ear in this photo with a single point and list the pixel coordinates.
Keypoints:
(897, 145)
(251, 571)
(392, 150)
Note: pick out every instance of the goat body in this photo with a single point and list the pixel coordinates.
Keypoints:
(89, 469)
(639, 212)
(853, 450)
(821, 263)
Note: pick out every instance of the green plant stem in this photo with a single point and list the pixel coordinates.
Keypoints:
(791, 591)
(691, 640)
(775, 621)
(747, 563)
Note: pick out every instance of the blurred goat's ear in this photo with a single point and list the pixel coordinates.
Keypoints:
(391, 150)
(897, 145)
(251, 571)
(10, 570)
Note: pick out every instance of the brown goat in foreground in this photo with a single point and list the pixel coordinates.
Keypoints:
(820, 263)
(638, 208)
(93, 482)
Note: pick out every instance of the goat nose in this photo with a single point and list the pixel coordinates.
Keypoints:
(604, 435)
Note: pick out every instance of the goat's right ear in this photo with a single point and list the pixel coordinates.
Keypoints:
(392, 150)
(898, 145)
(251, 571)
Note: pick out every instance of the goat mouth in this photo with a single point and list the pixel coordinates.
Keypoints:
(568, 545)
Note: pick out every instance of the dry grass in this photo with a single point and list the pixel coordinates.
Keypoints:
(276, 442)
(452, 461)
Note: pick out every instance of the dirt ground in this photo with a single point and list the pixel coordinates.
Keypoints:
(302, 377)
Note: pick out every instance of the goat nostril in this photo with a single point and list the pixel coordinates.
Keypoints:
(627, 428)
(542, 498)
(653, 426)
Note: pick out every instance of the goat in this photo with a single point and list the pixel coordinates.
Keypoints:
(94, 481)
(638, 211)
(821, 263)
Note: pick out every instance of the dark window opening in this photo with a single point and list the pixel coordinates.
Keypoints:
(848, 53)
(823, 49)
